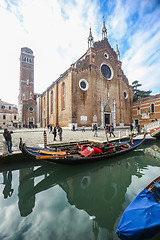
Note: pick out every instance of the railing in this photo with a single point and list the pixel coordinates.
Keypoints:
(152, 125)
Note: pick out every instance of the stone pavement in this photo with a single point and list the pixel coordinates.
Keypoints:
(35, 137)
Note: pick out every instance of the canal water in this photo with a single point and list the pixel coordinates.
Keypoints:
(73, 202)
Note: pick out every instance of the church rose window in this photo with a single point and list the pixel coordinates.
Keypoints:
(83, 84)
(106, 71)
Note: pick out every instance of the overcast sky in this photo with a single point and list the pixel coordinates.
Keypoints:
(57, 32)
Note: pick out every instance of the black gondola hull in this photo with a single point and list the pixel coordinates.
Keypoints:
(34, 153)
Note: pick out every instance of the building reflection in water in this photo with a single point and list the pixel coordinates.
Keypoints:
(98, 189)
(26, 201)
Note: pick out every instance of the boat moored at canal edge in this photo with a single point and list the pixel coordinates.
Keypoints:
(78, 153)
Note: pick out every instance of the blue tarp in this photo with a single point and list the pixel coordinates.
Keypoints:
(141, 219)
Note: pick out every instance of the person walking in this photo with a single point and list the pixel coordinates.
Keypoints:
(54, 133)
(60, 133)
(111, 131)
(8, 138)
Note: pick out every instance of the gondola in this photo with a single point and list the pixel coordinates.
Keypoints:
(141, 219)
(80, 152)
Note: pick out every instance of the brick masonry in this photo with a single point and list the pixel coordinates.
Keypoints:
(88, 107)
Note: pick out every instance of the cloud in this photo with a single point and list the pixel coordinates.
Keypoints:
(141, 57)
(57, 32)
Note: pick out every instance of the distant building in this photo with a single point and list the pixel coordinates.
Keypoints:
(8, 115)
(26, 100)
(93, 90)
(146, 110)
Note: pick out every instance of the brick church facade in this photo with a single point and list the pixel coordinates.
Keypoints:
(94, 90)
(26, 99)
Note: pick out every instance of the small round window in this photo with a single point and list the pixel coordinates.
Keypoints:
(83, 84)
(31, 109)
(106, 71)
(106, 55)
(125, 94)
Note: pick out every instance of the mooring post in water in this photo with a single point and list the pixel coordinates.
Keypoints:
(45, 139)
(4, 150)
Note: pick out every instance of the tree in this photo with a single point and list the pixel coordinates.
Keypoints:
(137, 94)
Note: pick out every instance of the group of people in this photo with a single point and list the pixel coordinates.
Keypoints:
(54, 130)
(132, 127)
(109, 128)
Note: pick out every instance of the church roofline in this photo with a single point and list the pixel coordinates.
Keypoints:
(149, 98)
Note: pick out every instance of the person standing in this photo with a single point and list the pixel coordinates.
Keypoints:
(8, 138)
(54, 133)
(50, 129)
(83, 129)
(60, 133)
(131, 127)
(106, 128)
(95, 131)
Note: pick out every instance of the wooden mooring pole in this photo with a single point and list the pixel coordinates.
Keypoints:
(45, 139)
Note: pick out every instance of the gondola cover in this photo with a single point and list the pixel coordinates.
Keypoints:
(141, 219)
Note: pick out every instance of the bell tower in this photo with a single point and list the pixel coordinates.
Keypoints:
(26, 101)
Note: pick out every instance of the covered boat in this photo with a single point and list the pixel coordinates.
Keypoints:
(76, 153)
(141, 219)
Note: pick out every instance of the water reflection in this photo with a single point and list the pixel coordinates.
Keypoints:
(26, 201)
(98, 189)
(7, 181)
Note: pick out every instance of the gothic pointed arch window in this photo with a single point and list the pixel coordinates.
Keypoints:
(30, 95)
(152, 108)
(107, 108)
(63, 96)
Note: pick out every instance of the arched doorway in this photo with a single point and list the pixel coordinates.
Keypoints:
(31, 122)
(107, 114)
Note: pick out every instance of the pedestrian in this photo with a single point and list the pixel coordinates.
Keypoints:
(83, 129)
(50, 129)
(54, 133)
(111, 130)
(139, 129)
(131, 127)
(8, 138)
(106, 128)
(95, 131)
(60, 133)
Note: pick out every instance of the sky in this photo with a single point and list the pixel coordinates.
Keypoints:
(57, 32)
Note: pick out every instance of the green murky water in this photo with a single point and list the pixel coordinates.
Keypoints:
(57, 202)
